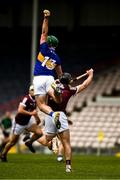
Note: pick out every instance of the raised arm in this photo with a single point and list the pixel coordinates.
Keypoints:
(45, 26)
(86, 83)
(58, 70)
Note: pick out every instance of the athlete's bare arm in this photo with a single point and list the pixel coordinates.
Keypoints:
(45, 26)
(21, 109)
(86, 83)
(58, 70)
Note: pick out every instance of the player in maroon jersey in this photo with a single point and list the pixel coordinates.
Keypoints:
(63, 133)
(25, 119)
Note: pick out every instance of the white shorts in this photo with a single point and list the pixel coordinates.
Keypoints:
(42, 84)
(17, 129)
(50, 127)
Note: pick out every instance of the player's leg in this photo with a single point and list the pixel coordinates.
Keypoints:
(50, 131)
(42, 87)
(40, 100)
(5, 140)
(15, 133)
(55, 92)
(34, 128)
(35, 137)
(37, 134)
(26, 135)
(64, 136)
(65, 139)
(60, 152)
(41, 103)
(46, 141)
(13, 140)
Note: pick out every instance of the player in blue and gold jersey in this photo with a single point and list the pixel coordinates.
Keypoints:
(47, 65)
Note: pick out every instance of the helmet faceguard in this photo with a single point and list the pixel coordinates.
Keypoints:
(52, 41)
(31, 90)
(65, 78)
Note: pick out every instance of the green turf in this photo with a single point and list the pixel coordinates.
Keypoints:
(40, 166)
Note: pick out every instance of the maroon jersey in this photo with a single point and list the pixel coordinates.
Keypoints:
(67, 92)
(29, 103)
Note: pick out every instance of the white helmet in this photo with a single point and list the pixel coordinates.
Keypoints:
(31, 88)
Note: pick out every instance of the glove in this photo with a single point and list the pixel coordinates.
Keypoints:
(57, 89)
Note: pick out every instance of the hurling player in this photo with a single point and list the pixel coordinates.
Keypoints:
(47, 64)
(23, 121)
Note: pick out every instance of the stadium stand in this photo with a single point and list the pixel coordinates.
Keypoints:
(91, 121)
(104, 84)
(15, 72)
(95, 114)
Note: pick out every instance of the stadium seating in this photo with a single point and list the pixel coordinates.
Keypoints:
(104, 84)
(96, 126)
(95, 112)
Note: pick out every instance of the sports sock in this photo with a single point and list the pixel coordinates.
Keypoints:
(68, 162)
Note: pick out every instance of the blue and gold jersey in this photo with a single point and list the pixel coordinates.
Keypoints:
(46, 61)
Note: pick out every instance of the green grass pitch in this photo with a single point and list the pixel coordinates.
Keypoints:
(41, 166)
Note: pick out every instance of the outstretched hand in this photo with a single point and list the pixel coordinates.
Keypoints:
(90, 71)
(46, 13)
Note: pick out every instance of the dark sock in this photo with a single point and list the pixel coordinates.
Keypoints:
(35, 137)
(68, 162)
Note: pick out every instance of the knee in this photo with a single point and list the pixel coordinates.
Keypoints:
(39, 132)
